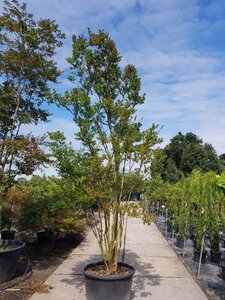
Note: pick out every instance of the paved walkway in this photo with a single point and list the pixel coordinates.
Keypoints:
(160, 275)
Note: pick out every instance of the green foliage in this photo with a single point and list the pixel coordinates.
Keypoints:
(205, 202)
(103, 104)
(51, 206)
(220, 181)
(132, 183)
(222, 159)
(197, 201)
(6, 217)
(215, 242)
(185, 153)
(12, 202)
(157, 190)
(27, 67)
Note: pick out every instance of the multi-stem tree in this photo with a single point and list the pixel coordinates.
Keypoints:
(27, 67)
(103, 105)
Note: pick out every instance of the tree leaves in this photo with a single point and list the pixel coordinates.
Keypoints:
(26, 67)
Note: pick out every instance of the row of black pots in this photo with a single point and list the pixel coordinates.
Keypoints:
(44, 238)
(215, 256)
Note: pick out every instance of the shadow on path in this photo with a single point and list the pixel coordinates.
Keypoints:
(144, 277)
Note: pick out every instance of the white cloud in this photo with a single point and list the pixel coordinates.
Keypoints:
(177, 47)
(56, 124)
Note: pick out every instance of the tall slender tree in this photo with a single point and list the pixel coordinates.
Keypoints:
(103, 104)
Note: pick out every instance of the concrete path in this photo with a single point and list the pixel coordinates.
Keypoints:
(160, 275)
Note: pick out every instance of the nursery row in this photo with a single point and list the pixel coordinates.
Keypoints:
(191, 214)
(193, 207)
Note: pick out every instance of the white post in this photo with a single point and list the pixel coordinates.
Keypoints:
(185, 239)
(200, 258)
(173, 230)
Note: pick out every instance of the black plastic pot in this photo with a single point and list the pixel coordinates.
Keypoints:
(215, 257)
(46, 239)
(222, 265)
(191, 234)
(108, 287)
(8, 234)
(197, 256)
(169, 228)
(9, 259)
(180, 243)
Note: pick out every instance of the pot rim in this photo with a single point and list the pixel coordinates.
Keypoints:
(215, 252)
(20, 246)
(108, 277)
(204, 250)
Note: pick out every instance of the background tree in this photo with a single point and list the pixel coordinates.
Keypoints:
(185, 153)
(27, 67)
(222, 158)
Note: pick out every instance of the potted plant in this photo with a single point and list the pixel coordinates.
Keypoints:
(183, 215)
(179, 208)
(220, 183)
(10, 210)
(215, 219)
(198, 208)
(103, 104)
(208, 211)
(48, 212)
(215, 248)
(39, 214)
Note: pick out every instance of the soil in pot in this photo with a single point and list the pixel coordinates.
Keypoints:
(9, 255)
(8, 234)
(215, 257)
(5, 247)
(101, 287)
(197, 255)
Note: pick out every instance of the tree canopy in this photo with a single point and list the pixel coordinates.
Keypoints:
(27, 67)
(183, 154)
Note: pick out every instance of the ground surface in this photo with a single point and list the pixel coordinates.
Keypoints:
(160, 275)
(210, 278)
(43, 263)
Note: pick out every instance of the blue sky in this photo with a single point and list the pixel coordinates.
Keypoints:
(178, 47)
